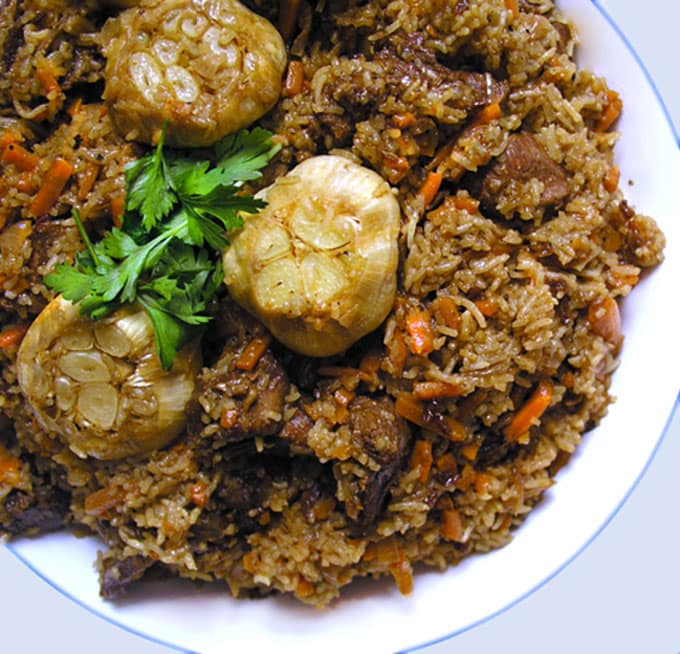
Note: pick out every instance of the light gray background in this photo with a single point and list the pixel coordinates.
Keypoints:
(621, 595)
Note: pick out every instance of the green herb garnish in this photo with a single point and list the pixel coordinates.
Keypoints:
(166, 255)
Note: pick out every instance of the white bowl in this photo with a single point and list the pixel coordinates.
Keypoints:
(589, 490)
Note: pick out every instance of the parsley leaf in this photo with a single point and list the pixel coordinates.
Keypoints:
(166, 255)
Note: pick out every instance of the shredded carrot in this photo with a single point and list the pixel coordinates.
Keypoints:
(433, 390)
(48, 80)
(513, 7)
(369, 366)
(8, 137)
(605, 319)
(86, 180)
(198, 494)
(11, 336)
(323, 508)
(421, 459)
(470, 451)
(264, 519)
(228, 418)
(20, 157)
(9, 467)
(295, 78)
(447, 463)
(403, 576)
(53, 184)
(446, 311)
(117, 210)
(489, 113)
(397, 353)
(396, 167)
(75, 107)
(530, 412)
(430, 187)
(303, 588)
(343, 397)
(252, 352)
(611, 111)
(452, 525)
(386, 551)
(413, 410)
(487, 308)
(102, 501)
(403, 120)
(611, 179)
(288, 15)
(481, 482)
(420, 332)
(465, 203)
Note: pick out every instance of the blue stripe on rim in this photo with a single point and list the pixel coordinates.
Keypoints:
(676, 135)
(443, 639)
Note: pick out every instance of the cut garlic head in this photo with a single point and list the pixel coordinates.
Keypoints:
(100, 385)
(318, 265)
(206, 67)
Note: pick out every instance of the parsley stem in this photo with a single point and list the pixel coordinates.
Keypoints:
(85, 237)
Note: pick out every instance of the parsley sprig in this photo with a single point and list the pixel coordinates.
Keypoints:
(166, 255)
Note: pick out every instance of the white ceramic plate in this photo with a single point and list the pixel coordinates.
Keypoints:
(588, 493)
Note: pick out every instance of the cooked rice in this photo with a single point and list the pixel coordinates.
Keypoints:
(289, 505)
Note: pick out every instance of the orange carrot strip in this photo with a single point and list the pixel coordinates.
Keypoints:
(8, 137)
(48, 80)
(295, 79)
(611, 179)
(252, 352)
(512, 6)
(228, 418)
(397, 353)
(117, 210)
(343, 397)
(86, 180)
(489, 113)
(446, 311)
(11, 336)
(447, 463)
(20, 157)
(53, 184)
(412, 410)
(465, 203)
(611, 111)
(421, 459)
(396, 167)
(421, 334)
(303, 588)
(102, 501)
(605, 319)
(403, 120)
(433, 390)
(430, 186)
(403, 576)
(452, 525)
(198, 494)
(470, 451)
(532, 410)
(487, 308)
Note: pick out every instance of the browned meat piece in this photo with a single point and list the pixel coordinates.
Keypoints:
(241, 403)
(46, 511)
(117, 575)
(524, 160)
(380, 434)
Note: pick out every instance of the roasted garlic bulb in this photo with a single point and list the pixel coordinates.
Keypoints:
(100, 385)
(208, 67)
(318, 265)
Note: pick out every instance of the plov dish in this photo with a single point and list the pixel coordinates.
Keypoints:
(426, 439)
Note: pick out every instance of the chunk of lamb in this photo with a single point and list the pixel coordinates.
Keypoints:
(380, 440)
(233, 404)
(523, 161)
